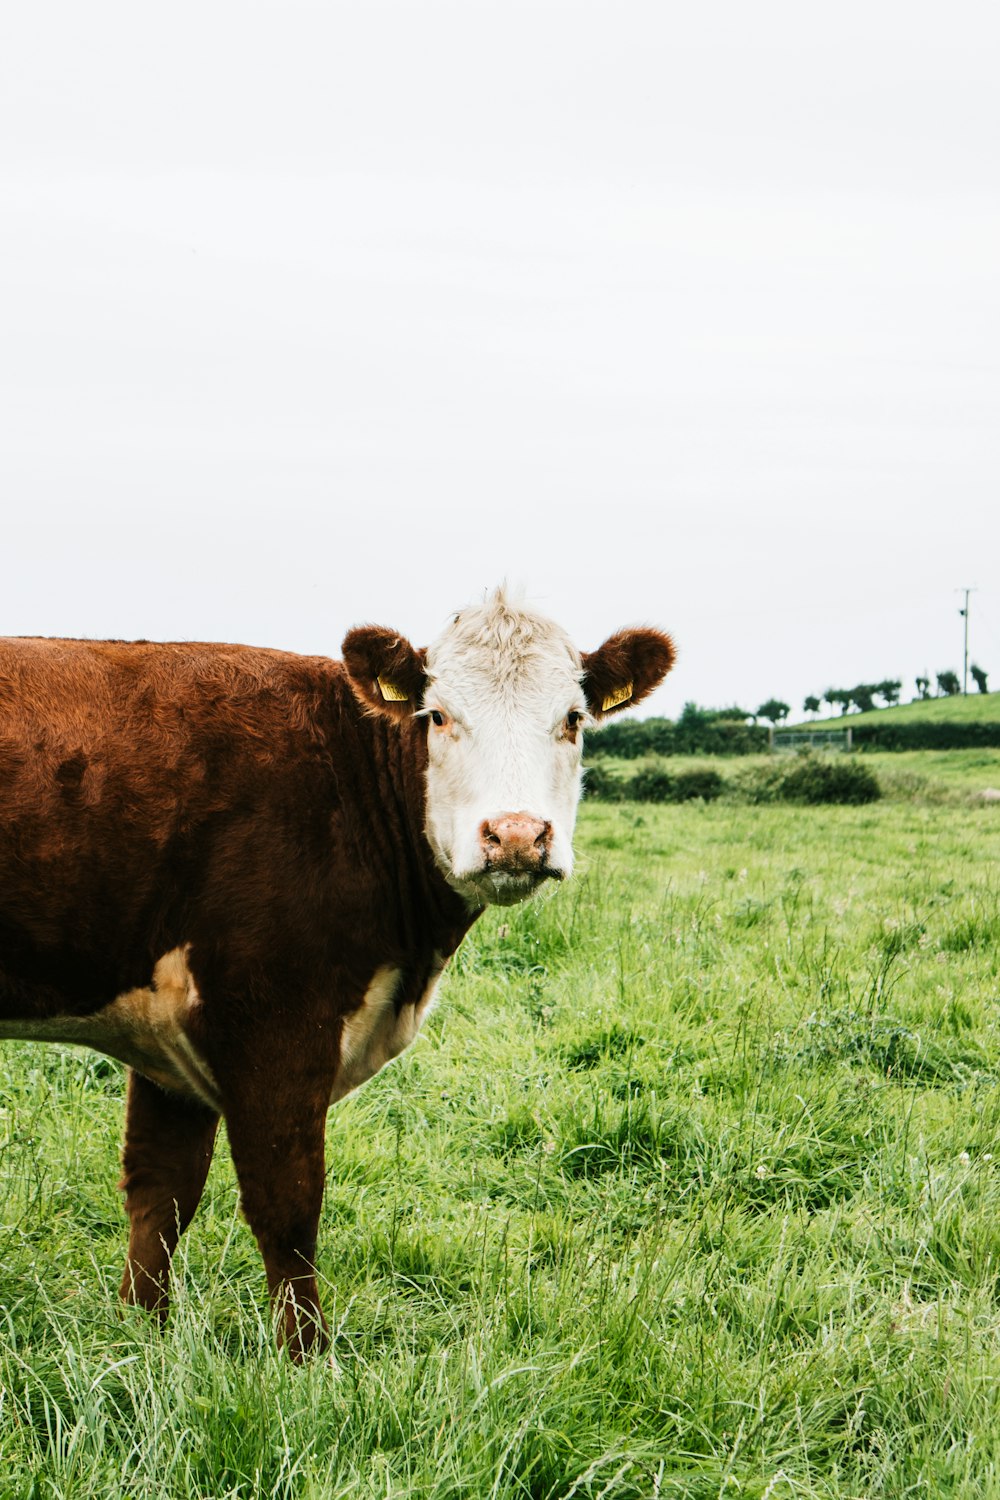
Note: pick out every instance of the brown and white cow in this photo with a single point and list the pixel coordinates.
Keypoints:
(241, 873)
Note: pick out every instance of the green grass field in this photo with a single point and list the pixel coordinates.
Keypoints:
(975, 708)
(690, 1188)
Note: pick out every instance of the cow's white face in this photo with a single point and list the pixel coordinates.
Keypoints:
(505, 707)
(504, 695)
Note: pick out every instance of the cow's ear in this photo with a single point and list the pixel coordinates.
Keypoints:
(385, 671)
(626, 669)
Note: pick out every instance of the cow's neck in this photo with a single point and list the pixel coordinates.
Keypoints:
(429, 915)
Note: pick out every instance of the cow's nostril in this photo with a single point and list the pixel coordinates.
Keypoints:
(493, 838)
(543, 838)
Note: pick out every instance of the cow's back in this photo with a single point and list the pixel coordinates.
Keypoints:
(119, 761)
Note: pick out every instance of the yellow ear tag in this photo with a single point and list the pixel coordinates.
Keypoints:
(390, 692)
(620, 695)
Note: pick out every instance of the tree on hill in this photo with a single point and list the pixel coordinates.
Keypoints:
(811, 705)
(924, 686)
(948, 684)
(889, 690)
(774, 710)
(864, 696)
(837, 698)
(979, 678)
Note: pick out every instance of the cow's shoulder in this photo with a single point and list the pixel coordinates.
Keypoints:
(148, 693)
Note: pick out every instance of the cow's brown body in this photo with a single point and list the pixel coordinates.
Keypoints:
(220, 841)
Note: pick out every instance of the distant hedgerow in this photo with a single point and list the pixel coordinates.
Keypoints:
(927, 735)
(652, 784)
(805, 778)
(695, 733)
(700, 733)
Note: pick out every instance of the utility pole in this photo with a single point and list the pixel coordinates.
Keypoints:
(965, 655)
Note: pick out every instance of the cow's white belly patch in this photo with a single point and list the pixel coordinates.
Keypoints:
(144, 1028)
(374, 1034)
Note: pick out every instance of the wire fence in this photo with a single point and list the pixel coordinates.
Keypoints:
(809, 739)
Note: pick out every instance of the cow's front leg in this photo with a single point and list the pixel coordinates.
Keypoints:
(166, 1157)
(278, 1152)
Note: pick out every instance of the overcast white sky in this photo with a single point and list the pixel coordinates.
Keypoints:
(313, 314)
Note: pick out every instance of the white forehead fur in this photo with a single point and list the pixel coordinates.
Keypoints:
(507, 677)
(505, 649)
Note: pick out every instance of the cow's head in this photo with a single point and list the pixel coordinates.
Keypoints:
(505, 696)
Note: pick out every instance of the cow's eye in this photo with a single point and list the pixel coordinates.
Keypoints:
(573, 719)
(438, 718)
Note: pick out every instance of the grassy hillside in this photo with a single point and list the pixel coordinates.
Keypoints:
(690, 1189)
(977, 708)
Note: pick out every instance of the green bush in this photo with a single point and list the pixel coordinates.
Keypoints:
(812, 779)
(603, 785)
(761, 783)
(704, 783)
(807, 778)
(650, 785)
